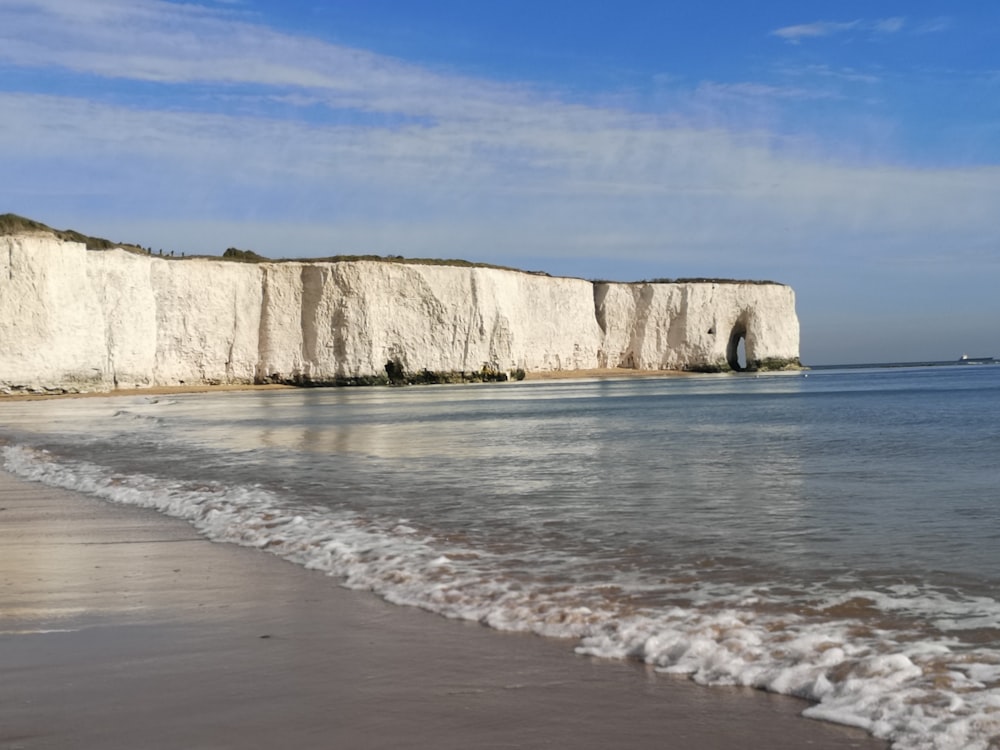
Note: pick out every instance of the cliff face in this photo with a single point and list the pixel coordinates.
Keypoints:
(72, 319)
(697, 325)
(324, 321)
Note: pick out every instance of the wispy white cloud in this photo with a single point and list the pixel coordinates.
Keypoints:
(843, 73)
(934, 25)
(888, 25)
(460, 166)
(505, 190)
(753, 90)
(164, 42)
(816, 29)
(795, 34)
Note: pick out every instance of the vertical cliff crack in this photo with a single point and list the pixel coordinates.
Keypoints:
(263, 322)
(474, 313)
(600, 314)
(313, 283)
(232, 341)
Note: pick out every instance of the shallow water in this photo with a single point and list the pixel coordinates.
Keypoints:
(831, 536)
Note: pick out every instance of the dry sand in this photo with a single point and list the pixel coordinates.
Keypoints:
(122, 629)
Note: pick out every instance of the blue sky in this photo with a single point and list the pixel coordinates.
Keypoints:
(851, 150)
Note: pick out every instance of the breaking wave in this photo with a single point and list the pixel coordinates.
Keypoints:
(897, 662)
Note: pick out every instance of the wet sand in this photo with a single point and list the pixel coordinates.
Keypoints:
(154, 390)
(122, 629)
(605, 372)
(165, 390)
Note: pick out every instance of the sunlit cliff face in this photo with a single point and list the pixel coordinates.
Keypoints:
(72, 319)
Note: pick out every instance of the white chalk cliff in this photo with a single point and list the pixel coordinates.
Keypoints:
(73, 319)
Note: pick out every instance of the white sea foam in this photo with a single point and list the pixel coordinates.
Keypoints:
(921, 692)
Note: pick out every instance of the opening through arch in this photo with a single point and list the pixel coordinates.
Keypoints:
(736, 351)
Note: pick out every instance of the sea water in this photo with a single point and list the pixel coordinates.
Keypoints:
(833, 535)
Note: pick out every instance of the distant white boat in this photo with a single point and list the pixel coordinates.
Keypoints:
(965, 359)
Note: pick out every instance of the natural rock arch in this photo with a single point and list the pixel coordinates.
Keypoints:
(736, 337)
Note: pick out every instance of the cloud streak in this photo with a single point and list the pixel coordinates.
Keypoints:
(452, 133)
(695, 191)
(797, 33)
(167, 43)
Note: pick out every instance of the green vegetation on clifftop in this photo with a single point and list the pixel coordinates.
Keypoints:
(14, 224)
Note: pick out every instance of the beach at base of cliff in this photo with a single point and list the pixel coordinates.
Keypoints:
(606, 372)
(122, 628)
(166, 390)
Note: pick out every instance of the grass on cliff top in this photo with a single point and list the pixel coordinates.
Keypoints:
(14, 224)
(703, 280)
(690, 280)
(249, 256)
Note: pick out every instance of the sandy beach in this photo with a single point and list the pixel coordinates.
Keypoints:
(155, 390)
(605, 372)
(122, 628)
(166, 390)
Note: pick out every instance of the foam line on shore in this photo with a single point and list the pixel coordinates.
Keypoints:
(163, 645)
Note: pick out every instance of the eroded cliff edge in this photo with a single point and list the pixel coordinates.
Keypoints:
(76, 320)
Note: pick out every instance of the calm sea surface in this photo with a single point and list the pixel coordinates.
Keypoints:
(834, 535)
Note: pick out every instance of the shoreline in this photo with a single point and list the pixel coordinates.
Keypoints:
(607, 373)
(153, 390)
(600, 373)
(123, 628)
